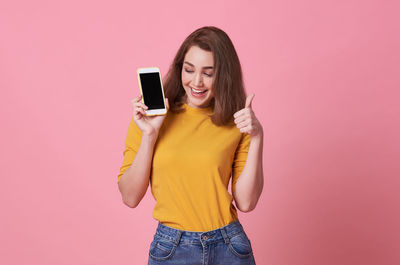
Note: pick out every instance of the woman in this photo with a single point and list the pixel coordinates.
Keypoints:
(209, 134)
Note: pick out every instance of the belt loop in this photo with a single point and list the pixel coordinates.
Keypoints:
(178, 237)
(224, 235)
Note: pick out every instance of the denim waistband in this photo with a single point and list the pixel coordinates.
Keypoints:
(222, 233)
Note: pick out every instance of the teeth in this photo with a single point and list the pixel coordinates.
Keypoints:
(197, 91)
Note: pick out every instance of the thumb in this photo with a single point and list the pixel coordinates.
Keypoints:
(249, 99)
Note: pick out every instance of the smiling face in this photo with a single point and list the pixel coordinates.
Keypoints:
(198, 76)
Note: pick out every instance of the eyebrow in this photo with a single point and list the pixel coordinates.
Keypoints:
(205, 67)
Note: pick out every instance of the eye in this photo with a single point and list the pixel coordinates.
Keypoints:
(188, 71)
(209, 75)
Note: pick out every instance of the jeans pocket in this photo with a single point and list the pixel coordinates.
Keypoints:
(161, 248)
(240, 245)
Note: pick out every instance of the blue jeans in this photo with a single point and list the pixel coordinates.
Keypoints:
(226, 245)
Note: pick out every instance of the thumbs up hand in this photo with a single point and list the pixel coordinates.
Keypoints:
(246, 120)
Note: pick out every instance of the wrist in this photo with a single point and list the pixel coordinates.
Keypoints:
(149, 137)
(258, 137)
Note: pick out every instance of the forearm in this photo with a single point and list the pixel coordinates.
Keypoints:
(135, 180)
(251, 181)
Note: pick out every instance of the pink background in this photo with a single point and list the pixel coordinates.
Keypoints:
(326, 79)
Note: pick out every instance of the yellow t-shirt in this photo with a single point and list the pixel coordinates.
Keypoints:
(192, 165)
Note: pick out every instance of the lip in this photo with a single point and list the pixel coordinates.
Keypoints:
(196, 95)
(198, 89)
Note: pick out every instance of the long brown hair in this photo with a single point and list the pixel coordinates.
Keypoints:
(227, 87)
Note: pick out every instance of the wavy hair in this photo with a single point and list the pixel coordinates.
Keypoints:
(227, 86)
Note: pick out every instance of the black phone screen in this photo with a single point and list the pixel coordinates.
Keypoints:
(151, 90)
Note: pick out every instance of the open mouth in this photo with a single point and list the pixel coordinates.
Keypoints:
(198, 93)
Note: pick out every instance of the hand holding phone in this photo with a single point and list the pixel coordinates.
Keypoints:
(152, 90)
(149, 125)
(150, 107)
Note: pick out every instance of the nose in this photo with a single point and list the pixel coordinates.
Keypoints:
(198, 80)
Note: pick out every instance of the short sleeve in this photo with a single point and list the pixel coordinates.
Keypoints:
(132, 143)
(240, 158)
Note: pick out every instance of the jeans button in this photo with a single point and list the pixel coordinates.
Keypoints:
(204, 237)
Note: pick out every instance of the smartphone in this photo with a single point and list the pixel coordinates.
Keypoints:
(152, 90)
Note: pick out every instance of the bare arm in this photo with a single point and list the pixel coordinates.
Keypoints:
(135, 180)
(250, 183)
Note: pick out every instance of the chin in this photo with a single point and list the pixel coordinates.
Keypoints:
(200, 103)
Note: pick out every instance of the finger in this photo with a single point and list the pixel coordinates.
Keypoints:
(246, 129)
(249, 99)
(137, 99)
(245, 111)
(142, 111)
(139, 112)
(243, 124)
(242, 118)
(137, 115)
(238, 113)
(140, 105)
